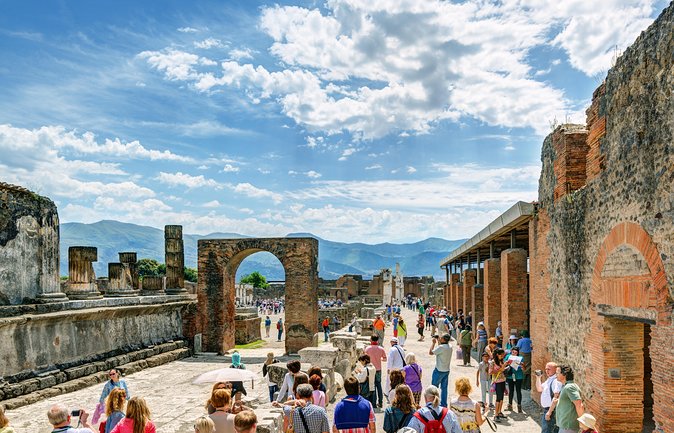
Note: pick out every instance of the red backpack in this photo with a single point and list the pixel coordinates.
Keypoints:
(434, 425)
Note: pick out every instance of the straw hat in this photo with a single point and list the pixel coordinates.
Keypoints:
(587, 420)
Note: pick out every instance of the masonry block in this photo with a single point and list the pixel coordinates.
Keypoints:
(514, 290)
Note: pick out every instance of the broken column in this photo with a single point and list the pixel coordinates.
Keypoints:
(81, 275)
(175, 259)
(130, 260)
(514, 290)
(492, 294)
(120, 277)
(153, 286)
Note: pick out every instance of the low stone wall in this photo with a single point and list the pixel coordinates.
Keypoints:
(246, 328)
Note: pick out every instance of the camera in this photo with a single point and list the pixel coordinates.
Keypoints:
(436, 336)
(538, 373)
(75, 412)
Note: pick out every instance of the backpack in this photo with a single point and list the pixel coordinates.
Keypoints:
(434, 425)
(365, 386)
(278, 325)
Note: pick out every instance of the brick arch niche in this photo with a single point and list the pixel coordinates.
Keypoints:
(218, 261)
(630, 340)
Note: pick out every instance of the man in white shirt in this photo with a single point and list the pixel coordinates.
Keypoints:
(443, 359)
(395, 361)
(59, 418)
(549, 389)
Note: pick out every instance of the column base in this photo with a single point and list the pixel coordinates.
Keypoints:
(80, 296)
(176, 291)
(52, 297)
(121, 293)
(152, 293)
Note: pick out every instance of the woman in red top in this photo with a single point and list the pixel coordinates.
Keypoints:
(137, 418)
(421, 323)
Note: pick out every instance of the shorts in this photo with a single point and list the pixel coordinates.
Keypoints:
(500, 390)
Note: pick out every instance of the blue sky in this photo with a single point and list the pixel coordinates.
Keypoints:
(385, 120)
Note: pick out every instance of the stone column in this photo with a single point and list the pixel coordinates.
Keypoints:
(458, 289)
(130, 260)
(120, 281)
(492, 294)
(153, 286)
(469, 276)
(81, 275)
(175, 260)
(454, 288)
(514, 290)
(477, 306)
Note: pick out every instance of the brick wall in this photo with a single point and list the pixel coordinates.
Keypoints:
(514, 290)
(469, 276)
(477, 305)
(596, 125)
(570, 146)
(492, 294)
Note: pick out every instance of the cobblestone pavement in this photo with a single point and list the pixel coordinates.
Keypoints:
(175, 402)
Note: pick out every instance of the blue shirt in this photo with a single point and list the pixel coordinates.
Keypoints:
(109, 385)
(524, 345)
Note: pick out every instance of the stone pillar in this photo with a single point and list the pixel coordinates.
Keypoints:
(514, 290)
(81, 275)
(469, 276)
(120, 281)
(477, 306)
(492, 294)
(459, 295)
(175, 260)
(454, 283)
(153, 286)
(130, 260)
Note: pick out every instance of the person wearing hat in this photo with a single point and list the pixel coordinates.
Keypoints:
(587, 423)
(443, 359)
(481, 338)
(394, 361)
(512, 342)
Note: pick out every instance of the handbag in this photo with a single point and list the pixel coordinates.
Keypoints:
(365, 386)
(459, 353)
(291, 427)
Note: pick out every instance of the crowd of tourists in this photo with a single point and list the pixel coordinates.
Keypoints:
(270, 306)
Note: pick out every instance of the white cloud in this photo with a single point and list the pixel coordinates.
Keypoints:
(211, 204)
(254, 192)
(187, 30)
(176, 64)
(313, 174)
(373, 167)
(208, 43)
(411, 169)
(229, 168)
(346, 153)
(187, 180)
(415, 64)
(240, 54)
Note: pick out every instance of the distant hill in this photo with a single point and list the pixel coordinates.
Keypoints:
(335, 258)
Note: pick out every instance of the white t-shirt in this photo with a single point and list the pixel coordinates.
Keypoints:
(546, 400)
(395, 359)
(443, 357)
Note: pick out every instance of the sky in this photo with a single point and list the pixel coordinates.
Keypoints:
(357, 121)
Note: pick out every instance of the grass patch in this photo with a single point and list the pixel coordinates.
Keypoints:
(252, 345)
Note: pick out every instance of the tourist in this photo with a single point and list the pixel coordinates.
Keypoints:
(273, 387)
(389, 310)
(525, 347)
(216, 386)
(514, 379)
(377, 355)
(279, 328)
(481, 338)
(137, 419)
(204, 424)
(549, 390)
(569, 405)
(288, 381)
(492, 344)
(442, 325)
(402, 408)
(336, 323)
(498, 368)
(59, 418)
(499, 334)
(443, 359)
(587, 423)
(394, 361)
(467, 411)
(114, 408)
(394, 322)
(433, 413)
(412, 372)
(299, 379)
(402, 332)
(469, 319)
(245, 422)
(352, 325)
(353, 414)
(395, 377)
(318, 396)
(315, 370)
(305, 417)
(114, 382)
(238, 390)
(365, 373)
(379, 327)
(267, 325)
(466, 343)
(4, 422)
(483, 381)
(223, 420)
(512, 342)
(421, 323)
(326, 328)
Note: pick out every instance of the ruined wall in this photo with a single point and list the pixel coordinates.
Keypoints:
(628, 199)
(29, 246)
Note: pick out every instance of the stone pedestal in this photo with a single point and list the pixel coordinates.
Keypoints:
(175, 259)
(120, 281)
(153, 286)
(130, 260)
(81, 275)
(367, 313)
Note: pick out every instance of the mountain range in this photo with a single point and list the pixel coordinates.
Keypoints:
(335, 258)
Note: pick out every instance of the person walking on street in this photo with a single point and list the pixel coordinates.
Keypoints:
(467, 411)
(279, 328)
(395, 361)
(514, 379)
(326, 328)
(525, 347)
(402, 408)
(569, 405)
(413, 373)
(306, 417)
(481, 338)
(466, 342)
(379, 327)
(498, 369)
(549, 390)
(377, 355)
(482, 381)
(354, 414)
(443, 359)
(421, 323)
(402, 332)
(433, 413)
(365, 373)
(267, 326)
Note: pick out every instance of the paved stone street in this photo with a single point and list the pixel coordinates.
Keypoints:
(175, 402)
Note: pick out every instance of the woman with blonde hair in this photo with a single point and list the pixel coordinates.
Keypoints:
(273, 387)
(204, 424)
(223, 420)
(137, 418)
(114, 408)
(413, 373)
(401, 410)
(4, 422)
(467, 411)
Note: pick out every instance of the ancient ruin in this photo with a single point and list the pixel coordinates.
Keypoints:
(218, 261)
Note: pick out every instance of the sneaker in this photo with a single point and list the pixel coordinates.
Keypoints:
(492, 407)
(519, 409)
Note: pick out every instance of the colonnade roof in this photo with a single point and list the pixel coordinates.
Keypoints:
(511, 226)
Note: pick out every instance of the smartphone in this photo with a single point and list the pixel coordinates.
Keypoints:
(538, 373)
(75, 412)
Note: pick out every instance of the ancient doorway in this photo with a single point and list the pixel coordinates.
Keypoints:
(627, 343)
(219, 260)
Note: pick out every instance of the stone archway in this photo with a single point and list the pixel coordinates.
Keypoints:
(218, 261)
(630, 336)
